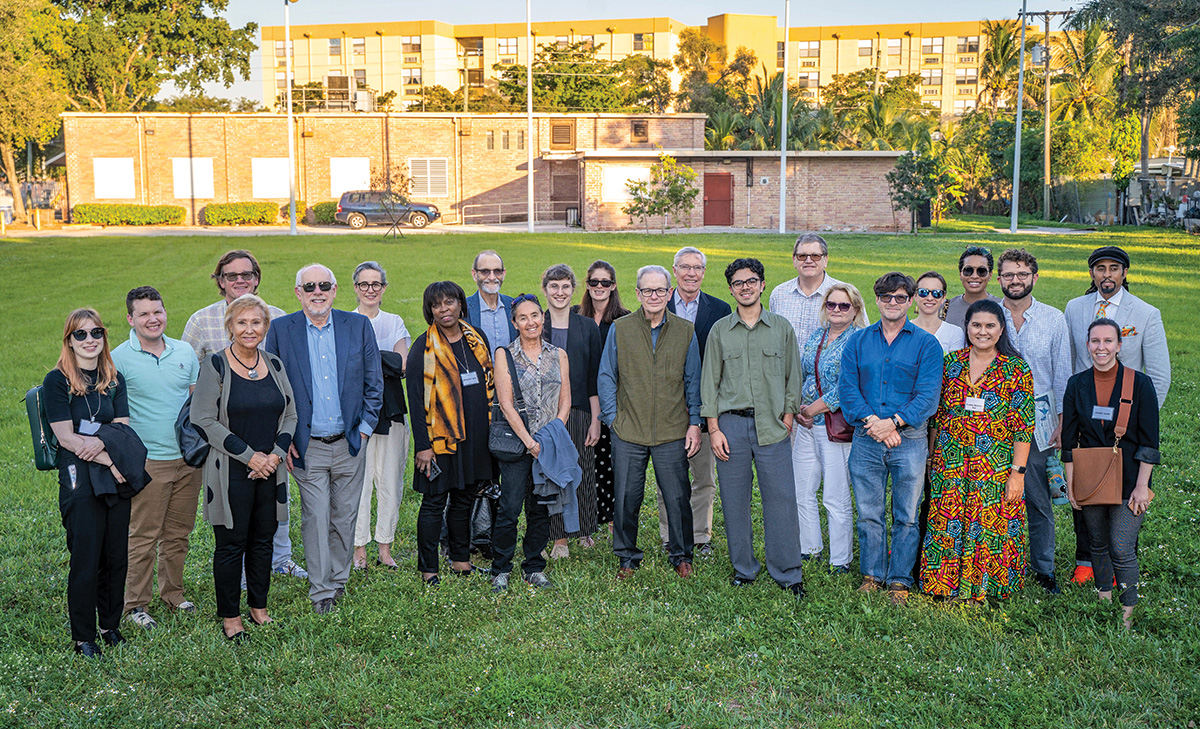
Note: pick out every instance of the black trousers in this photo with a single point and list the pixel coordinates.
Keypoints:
(98, 540)
(516, 488)
(248, 541)
(458, 526)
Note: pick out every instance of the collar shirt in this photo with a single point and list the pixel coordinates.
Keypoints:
(1044, 342)
(157, 386)
(902, 378)
(606, 380)
(322, 361)
(1101, 307)
(802, 310)
(205, 330)
(685, 310)
(494, 323)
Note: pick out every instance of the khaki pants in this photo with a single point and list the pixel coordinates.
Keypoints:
(161, 520)
(704, 489)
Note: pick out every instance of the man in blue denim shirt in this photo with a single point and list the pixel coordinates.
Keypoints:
(891, 383)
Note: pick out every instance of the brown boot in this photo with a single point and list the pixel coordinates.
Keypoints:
(869, 584)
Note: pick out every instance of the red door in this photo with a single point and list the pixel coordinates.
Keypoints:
(718, 198)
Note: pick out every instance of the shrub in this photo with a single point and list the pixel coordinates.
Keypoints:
(120, 214)
(301, 207)
(243, 213)
(323, 212)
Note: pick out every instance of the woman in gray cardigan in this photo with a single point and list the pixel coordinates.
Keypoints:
(244, 408)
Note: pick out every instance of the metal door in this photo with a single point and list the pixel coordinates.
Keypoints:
(718, 198)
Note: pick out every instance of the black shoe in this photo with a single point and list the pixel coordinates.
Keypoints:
(1048, 583)
(387, 566)
(339, 593)
(112, 637)
(324, 607)
(740, 581)
(704, 549)
(840, 569)
(432, 581)
(797, 589)
(88, 649)
(237, 638)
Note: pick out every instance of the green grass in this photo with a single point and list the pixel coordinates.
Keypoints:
(652, 652)
(988, 223)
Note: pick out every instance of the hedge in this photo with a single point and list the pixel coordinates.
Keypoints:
(243, 213)
(119, 214)
(323, 212)
(301, 207)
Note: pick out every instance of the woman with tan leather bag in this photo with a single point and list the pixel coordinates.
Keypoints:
(1109, 449)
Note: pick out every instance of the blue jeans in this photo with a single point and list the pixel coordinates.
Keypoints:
(871, 463)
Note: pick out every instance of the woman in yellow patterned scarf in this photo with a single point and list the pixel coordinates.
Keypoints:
(450, 388)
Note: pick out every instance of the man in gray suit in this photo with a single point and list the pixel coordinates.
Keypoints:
(1143, 348)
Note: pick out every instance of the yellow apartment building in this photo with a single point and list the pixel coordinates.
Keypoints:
(407, 56)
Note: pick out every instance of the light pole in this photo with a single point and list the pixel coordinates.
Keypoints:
(291, 131)
(1016, 184)
(783, 121)
(529, 204)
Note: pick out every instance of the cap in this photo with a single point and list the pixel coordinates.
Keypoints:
(1109, 253)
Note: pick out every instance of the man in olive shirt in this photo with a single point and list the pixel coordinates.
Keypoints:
(749, 389)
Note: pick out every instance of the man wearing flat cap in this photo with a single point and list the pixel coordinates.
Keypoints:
(1143, 347)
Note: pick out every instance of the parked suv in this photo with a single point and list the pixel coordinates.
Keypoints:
(363, 207)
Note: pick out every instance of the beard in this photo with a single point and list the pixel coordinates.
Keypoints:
(1016, 292)
(489, 288)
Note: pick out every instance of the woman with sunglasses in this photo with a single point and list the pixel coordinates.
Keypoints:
(842, 313)
(975, 267)
(387, 449)
(602, 304)
(931, 297)
(82, 392)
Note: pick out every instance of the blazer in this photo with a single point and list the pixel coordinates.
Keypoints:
(360, 379)
(474, 303)
(1143, 338)
(711, 309)
(583, 357)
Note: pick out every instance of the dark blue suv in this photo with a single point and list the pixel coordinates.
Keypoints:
(364, 207)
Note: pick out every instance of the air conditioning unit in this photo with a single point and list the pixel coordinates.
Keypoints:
(364, 101)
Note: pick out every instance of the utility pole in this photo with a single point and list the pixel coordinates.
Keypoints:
(783, 120)
(291, 130)
(1016, 183)
(1046, 55)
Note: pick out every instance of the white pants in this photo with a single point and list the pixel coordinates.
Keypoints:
(816, 458)
(386, 458)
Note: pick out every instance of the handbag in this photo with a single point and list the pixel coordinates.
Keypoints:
(45, 443)
(836, 427)
(192, 445)
(503, 441)
(1098, 473)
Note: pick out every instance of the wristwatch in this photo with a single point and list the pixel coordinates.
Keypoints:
(1019, 469)
(895, 421)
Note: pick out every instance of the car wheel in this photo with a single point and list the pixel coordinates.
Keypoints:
(356, 221)
(418, 220)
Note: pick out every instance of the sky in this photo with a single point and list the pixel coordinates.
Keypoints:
(694, 12)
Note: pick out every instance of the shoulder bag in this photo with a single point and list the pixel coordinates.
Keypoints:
(503, 441)
(192, 445)
(45, 443)
(1098, 473)
(836, 427)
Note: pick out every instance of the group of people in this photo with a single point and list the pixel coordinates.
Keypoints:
(557, 410)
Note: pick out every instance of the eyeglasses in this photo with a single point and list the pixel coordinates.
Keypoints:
(808, 256)
(522, 298)
(898, 298)
(1017, 276)
(838, 306)
(653, 293)
(980, 271)
(690, 268)
(81, 335)
(746, 282)
(232, 276)
(310, 287)
(935, 293)
(486, 272)
(604, 283)
(367, 286)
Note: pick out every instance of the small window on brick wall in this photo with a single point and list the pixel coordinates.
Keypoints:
(562, 134)
(430, 177)
(639, 130)
(490, 136)
(504, 137)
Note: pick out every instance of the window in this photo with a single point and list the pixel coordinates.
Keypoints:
(506, 46)
(281, 79)
(470, 46)
(809, 49)
(410, 76)
(588, 41)
(935, 103)
(962, 106)
(780, 50)
(193, 177)
(475, 77)
(410, 43)
(279, 52)
(112, 178)
(430, 177)
(490, 137)
(360, 78)
(964, 76)
(639, 130)
(269, 178)
(360, 46)
(893, 73)
(562, 134)
(335, 47)
(808, 79)
(968, 44)
(336, 72)
(864, 47)
(521, 139)
(643, 41)
(931, 77)
(893, 46)
(931, 45)
(504, 139)
(562, 41)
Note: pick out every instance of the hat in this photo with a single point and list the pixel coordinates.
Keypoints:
(1111, 253)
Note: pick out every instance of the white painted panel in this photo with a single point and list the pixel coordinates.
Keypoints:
(269, 177)
(348, 173)
(193, 177)
(113, 178)
(614, 177)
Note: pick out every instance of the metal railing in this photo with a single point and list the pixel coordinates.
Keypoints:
(545, 213)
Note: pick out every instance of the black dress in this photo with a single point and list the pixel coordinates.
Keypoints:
(606, 486)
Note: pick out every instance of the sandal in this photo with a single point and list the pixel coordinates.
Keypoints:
(587, 542)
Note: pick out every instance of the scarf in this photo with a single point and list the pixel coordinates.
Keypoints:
(443, 386)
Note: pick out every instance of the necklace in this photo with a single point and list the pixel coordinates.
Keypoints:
(251, 372)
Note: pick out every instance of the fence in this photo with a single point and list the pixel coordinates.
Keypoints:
(545, 213)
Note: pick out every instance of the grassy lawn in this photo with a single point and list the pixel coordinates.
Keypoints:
(651, 652)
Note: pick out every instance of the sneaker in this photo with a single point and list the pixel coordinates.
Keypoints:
(187, 606)
(705, 550)
(797, 590)
(839, 569)
(740, 581)
(1048, 583)
(898, 593)
(500, 583)
(538, 580)
(325, 606)
(1083, 575)
(869, 584)
(139, 616)
(289, 568)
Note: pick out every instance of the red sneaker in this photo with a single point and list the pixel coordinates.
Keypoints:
(1083, 575)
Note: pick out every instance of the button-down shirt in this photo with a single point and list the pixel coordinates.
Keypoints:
(830, 372)
(683, 309)
(494, 323)
(1044, 342)
(1110, 311)
(902, 378)
(322, 360)
(752, 367)
(156, 385)
(205, 330)
(802, 310)
(606, 382)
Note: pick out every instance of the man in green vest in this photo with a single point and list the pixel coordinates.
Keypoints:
(649, 387)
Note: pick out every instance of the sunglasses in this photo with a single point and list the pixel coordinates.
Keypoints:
(898, 298)
(521, 298)
(489, 272)
(81, 335)
(808, 256)
(234, 276)
(604, 283)
(981, 271)
(838, 306)
(310, 287)
(935, 293)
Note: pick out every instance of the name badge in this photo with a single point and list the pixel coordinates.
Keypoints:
(88, 427)
(974, 404)
(470, 378)
(1102, 413)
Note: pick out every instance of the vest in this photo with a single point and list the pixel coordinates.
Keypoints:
(651, 398)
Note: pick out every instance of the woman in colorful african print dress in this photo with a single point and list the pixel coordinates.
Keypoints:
(975, 542)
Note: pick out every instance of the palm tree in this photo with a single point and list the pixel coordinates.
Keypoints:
(723, 129)
(1000, 62)
(764, 105)
(882, 124)
(832, 129)
(1084, 90)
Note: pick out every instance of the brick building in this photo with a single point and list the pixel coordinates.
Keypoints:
(473, 167)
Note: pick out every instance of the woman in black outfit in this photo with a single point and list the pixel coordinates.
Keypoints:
(1091, 407)
(243, 407)
(83, 391)
(450, 389)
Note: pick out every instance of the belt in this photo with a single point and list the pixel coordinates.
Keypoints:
(746, 413)
(329, 438)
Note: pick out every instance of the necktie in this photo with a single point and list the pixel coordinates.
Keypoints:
(1103, 310)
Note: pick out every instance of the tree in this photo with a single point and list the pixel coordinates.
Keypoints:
(394, 178)
(1084, 89)
(436, 98)
(855, 90)
(670, 191)
(647, 83)
(117, 55)
(569, 77)
(999, 64)
(920, 179)
(32, 91)
(203, 103)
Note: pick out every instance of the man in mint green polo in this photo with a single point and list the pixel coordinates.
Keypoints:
(159, 373)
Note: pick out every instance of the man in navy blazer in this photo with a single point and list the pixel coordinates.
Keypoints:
(702, 310)
(487, 309)
(332, 362)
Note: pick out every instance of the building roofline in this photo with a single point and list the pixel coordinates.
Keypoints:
(734, 153)
(378, 114)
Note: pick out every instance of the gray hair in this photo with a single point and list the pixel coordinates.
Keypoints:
(652, 269)
(811, 238)
(370, 266)
(690, 250)
(304, 269)
(246, 301)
